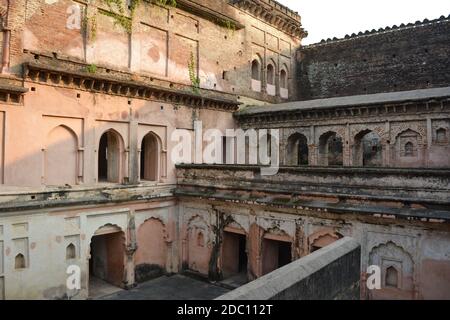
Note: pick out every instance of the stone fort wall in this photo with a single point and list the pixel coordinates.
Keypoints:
(398, 58)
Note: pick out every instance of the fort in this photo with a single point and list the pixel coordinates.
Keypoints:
(87, 176)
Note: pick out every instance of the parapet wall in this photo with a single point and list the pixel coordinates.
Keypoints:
(330, 273)
(405, 57)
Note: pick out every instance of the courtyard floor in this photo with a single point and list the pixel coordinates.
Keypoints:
(177, 287)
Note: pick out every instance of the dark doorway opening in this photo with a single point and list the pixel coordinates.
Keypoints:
(103, 159)
(276, 254)
(234, 259)
(106, 264)
(284, 254)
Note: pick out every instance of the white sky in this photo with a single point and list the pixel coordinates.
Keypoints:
(336, 18)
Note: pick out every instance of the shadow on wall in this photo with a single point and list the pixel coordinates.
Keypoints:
(331, 273)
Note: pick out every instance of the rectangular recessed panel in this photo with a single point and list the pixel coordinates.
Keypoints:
(187, 24)
(153, 50)
(72, 245)
(112, 43)
(272, 41)
(72, 225)
(19, 229)
(57, 27)
(184, 53)
(285, 48)
(258, 36)
(21, 248)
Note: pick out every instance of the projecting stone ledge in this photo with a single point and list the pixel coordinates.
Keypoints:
(331, 273)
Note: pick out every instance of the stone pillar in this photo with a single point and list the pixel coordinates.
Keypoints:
(130, 250)
(254, 252)
(429, 142)
(346, 156)
(134, 155)
(387, 145)
(129, 267)
(313, 156)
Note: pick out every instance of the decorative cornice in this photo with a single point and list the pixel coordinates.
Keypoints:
(11, 93)
(335, 113)
(208, 14)
(41, 73)
(275, 14)
(373, 32)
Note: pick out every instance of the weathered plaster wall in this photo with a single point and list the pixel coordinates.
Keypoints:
(160, 44)
(44, 275)
(415, 246)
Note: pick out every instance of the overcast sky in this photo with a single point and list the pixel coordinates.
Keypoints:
(336, 18)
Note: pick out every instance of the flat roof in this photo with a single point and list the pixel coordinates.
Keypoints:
(349, 101)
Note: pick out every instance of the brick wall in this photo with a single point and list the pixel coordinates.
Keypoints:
(410, 57)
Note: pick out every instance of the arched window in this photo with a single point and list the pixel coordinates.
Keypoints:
(391, 279)
(270, 75)
(149, 158)
(19, 261)
(409, 149)
(110, 157)
(256, 70)
(331, 149)
(441, 135)
(71, 252)
(367, 150)
(297, 150)
(283, 79)
(267, 149)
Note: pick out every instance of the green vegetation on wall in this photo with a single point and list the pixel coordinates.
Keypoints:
(195, 80)
(167, 3)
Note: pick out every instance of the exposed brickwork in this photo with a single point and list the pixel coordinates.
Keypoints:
(394, 59)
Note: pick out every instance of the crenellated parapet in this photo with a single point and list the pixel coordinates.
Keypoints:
(275, 14)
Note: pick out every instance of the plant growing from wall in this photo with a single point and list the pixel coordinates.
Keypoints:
(195, 80)
(92, 68)
(120, 18)
(89, 26)
(167, 3)
(229, 25)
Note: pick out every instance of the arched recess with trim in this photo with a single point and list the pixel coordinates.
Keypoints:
(61, 157)
(284, 82)
(321, 239)
(409, 149)
(151, 253)
(297, 153)
(397, 272)
(111, 158)
(150, 157)
(256, 73)
(331, 149)
(198, 250)
(271, 79)
(367, 149)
